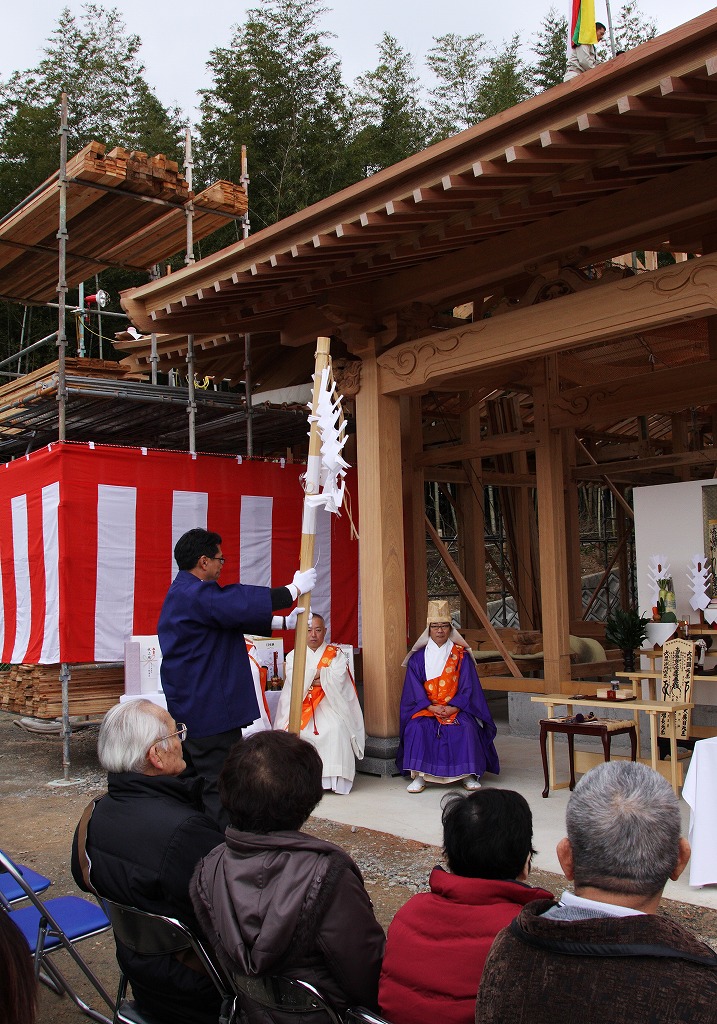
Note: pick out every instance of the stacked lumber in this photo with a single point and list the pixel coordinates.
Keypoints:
(101, 222)
(170, 231)
(36, 691)
(41, 384)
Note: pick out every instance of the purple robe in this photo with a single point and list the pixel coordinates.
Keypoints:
(446, 751)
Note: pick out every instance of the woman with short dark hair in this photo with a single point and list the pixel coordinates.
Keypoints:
(18, 987)
(275, 900)
(438, 942)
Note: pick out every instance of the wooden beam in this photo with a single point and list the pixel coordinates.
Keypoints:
(706, 457)
(381, 552)
(681, 292)
(517, 441)
(552, 536)
(414, 511)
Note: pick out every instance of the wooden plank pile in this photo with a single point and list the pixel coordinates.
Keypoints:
(41, 384)
(36, 691)
(107, 226)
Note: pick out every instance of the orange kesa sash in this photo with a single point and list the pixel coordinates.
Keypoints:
(315, 694)
(444, 687)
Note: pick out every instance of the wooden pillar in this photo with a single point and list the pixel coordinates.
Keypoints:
(572, 526)
(552, 536)
(472, 515)
(414, 514)
(381, 550)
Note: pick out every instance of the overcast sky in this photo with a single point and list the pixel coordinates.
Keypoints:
(177, 37)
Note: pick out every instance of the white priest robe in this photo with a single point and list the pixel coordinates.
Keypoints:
(336, 728)
(263, 722)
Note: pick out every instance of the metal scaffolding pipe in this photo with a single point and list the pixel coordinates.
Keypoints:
(189, 208)
(191, 401)
(62, 279)
(28, 348)
(247, 392)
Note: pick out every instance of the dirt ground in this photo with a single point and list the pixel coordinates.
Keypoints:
(38, 819)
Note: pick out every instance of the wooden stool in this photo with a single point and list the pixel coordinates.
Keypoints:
(605, 728)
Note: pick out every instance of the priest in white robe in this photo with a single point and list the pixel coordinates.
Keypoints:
(331, 716)
(263, 722)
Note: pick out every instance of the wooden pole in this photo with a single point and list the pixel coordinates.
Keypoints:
(308, 535)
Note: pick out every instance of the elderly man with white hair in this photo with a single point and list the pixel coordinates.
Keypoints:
(139, 845)
(603, 953)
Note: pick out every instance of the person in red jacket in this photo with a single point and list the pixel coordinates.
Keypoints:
(438, 942)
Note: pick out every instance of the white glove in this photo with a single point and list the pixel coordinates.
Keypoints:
(304, 581)
(292, 617)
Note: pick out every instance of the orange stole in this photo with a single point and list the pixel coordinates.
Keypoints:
(262, 676)
(444, 687)
(315, 694)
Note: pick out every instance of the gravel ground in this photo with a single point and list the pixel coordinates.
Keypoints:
(38, 820)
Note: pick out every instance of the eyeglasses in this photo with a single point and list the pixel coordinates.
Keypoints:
(215, 558)
(440, 625)
(181, 733)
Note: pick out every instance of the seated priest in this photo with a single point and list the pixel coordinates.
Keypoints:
(331, 717)
(264, 720)
(446, 731)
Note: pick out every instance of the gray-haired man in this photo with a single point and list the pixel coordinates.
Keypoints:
(603, 953)
(140, 847)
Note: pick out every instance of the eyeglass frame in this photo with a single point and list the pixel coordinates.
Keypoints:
(216, 558)
(182, 729)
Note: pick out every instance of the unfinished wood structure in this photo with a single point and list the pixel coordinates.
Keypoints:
(571, 365)
(124, 209)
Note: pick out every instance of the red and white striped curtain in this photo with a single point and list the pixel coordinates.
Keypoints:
(87, 534)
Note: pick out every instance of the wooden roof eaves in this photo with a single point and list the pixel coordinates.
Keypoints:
(684, 50)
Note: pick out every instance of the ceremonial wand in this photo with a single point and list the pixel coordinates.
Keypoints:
(323, 485)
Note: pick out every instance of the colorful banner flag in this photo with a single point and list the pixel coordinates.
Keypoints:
(582, 23)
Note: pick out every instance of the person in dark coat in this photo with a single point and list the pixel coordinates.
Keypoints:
(275, 900)
(438, 942)
(446, 728)
(603, 953)
(140, 846)
(206, 674)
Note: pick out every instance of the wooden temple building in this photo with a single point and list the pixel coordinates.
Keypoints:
(484, 299)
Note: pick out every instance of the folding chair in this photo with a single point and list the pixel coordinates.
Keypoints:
(360, 1015)
(53, 925)
(13, 892)
(153, 935)
(287, 995)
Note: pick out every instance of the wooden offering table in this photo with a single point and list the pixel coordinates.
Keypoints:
(585, 760)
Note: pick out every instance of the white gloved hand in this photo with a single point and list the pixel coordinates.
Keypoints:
(292, 617)
(304, 581)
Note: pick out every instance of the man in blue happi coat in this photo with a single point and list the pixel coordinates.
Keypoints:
(206, 675)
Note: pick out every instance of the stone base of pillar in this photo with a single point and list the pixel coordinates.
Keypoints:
(379, 756)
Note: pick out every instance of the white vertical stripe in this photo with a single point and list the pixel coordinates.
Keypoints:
(189, 512)
(50, 653)
(255, 540)
(321, 594)
(116, 539)
(21, 559)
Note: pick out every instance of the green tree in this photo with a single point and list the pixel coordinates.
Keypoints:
(276, 89)
(551, 50)
(633, 27)
(387, 112)
(457, 62)
(95, 61)
(507, 80)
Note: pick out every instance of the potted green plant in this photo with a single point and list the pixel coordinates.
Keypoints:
(626, 629)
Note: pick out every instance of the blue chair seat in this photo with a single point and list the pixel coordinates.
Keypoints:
(78, 919)
(12, 891)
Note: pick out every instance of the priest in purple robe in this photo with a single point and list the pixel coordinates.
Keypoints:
(447, 731)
